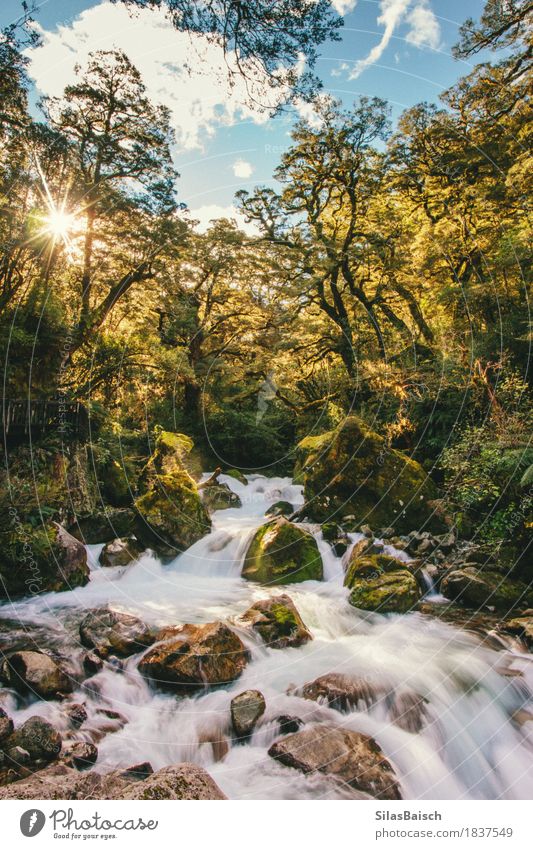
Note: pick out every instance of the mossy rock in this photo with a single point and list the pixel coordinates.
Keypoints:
(381, 583)
(277, 622)
(219, 497)
(38, 560)
(237, 475)
(280, 508)
(475, 588)
(352, 471)
(170, 515)
(282, 553)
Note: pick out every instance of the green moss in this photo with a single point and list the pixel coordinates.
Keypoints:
(382, 583)
(238, 475)
(351, 470)
(282, 553)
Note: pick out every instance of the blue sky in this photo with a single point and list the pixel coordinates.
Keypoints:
(396, 49)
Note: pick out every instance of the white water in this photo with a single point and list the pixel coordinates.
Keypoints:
(469, 747)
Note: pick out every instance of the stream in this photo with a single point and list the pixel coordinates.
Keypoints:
(470, 747)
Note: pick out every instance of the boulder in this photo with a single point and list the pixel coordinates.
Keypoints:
(473, 587)
(108, 632)
(182, 781)
(38, 560)
(170, 513)
(79, 754)
(289, 724)
(381, 583)
(280, 508)
(246, 710)
(277, 622)
(282, 553)
(336, 537)
(219, 497)
(348, 756)
(36, 673)
(121, 552)
(521, 626)
(92, 664)
(238, 475)
(76, 713)
(352, 471)
(192, 656)
(6, 725)
(38, 738)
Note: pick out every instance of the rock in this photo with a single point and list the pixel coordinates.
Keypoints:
(108, 632)
(246, 710)
(343, 692)
(473, 587)
(387, 533)
(38, 560)
(238, 475)
(219, 497)
(336, 537)
(36, 673)
(521, 626)
(37, 737)
(182, 781)
(289, 724)
(348, 470)
(345, 755)
(103, 525)
(280, 508)
(219, 744)
(6, 725)
(282, 553)
(92, 664)
(382, 583)
(367, 531)
(17, 756)
(76, 713)
(192, 656)
(277, 622)
(121, 552)
(138, 772)
(170, 514)
(80, 755)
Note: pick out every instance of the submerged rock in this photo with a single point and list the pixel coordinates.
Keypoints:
(280, 508)
(191, 656)
(343, 692)
(170, 514)
(381, 583)
(121, 552)
(182, 781)
(345, 755)
(282, 553)
(352, 471)
(220, 497)
(36, 673)
(475, 587)
(277, 622)
(246, 710)
(108, 632)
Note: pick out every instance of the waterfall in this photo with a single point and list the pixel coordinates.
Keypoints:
(471, 745)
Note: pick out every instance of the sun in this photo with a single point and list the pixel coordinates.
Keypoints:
(59, 224)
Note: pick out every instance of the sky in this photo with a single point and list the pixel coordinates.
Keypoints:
(399, 50)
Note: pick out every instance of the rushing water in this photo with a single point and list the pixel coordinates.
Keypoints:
(470, 746)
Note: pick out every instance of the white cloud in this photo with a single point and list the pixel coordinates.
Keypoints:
(242, 169)
(210, 212)
(182, 71)
(424, 29)
(344, 6)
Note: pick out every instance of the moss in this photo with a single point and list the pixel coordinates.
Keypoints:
(282, 553)
(382, 583)
(352, 471)
(238, 475)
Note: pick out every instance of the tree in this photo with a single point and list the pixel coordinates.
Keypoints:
(120, 152)
(267, 40)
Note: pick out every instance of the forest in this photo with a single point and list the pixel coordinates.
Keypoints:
(366, 341)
